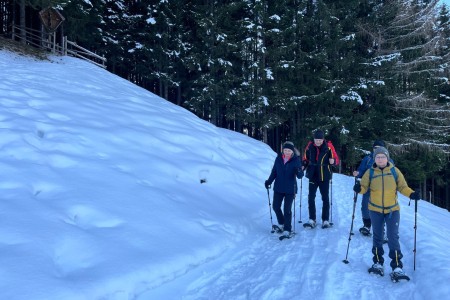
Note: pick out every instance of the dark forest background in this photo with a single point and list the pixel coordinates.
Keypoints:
(277, 70)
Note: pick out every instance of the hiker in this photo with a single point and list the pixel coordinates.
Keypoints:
(384, 180)
(318, 158)
(286, 168)
(365, 164)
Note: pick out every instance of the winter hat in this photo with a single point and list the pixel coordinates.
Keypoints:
(378, 143)
(289, 145)
(380, 150)
(319, 135)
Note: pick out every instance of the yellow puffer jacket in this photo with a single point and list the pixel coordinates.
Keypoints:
(383, 188)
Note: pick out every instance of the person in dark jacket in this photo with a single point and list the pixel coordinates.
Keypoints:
(286, 168)
(366, 163)
(318, 158)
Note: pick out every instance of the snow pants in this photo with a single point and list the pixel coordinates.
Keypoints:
(286, 218)
(392, 221)
(324, 187)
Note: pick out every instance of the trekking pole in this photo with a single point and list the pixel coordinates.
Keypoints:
(415, 230)
(295, 196)
(331, 206)
(355, 199)
(301, 192)
(270, 212)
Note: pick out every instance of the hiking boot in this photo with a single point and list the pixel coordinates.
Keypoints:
(286, 233)
(367, 223)
(326, 224)
(378, 266)
(398, 271)
(365, 231)
(278, 228)
(312, 223)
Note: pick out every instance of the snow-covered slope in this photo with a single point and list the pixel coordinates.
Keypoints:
(101, 198)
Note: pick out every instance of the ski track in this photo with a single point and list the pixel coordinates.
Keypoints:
(309, 265)
(293, 268)
(267, 268)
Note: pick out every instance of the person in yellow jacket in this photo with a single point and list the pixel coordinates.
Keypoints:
(383, 182)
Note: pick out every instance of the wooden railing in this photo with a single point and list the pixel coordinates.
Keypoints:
(48, 42)
(71, 48)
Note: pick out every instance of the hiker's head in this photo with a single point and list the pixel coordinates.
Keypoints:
(381, 156)
(288, 149)
(318, 136)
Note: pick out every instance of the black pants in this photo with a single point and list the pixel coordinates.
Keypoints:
(324, 187)
(286, 218)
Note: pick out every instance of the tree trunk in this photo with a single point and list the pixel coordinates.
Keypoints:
(23, 34)
(432, 195)
(447, 196)
(179, 96)
(424, 189)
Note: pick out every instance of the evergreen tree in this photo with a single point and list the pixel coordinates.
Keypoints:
(83, 23)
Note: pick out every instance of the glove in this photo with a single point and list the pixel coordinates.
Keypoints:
(415, 195)
(267, 184)
(357, 187)
(299, 173)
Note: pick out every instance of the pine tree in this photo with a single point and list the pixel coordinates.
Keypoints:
(406, 61)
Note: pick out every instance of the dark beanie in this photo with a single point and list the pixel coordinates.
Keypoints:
(289, 145)
(318, 134)
(380, 150)
(378, 143)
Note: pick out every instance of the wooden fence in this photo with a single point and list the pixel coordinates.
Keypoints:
(49, 42)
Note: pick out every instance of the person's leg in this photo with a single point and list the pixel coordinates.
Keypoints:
(312, 200)
(288, 199)
(277, 200)
(324, 187)
(392, 226)
(377, 220)
(365, 210)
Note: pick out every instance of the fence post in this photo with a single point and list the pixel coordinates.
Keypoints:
(64, 45)
(54, 42)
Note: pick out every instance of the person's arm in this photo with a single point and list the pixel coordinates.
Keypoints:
(402, 186)
(334, 158)
(305, 160)
(362, 167)
(365, 182)
(299, 170)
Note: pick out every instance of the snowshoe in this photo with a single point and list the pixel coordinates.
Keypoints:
(398, 275)
(310, 224)
(286, 235)
(376, 269)
(277, 229)
(365, 231)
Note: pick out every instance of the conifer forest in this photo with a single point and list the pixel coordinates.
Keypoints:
(360, 70)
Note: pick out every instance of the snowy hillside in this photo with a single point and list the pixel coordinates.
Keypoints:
(101, 198)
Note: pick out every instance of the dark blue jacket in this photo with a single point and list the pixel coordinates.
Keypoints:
(285, 174)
